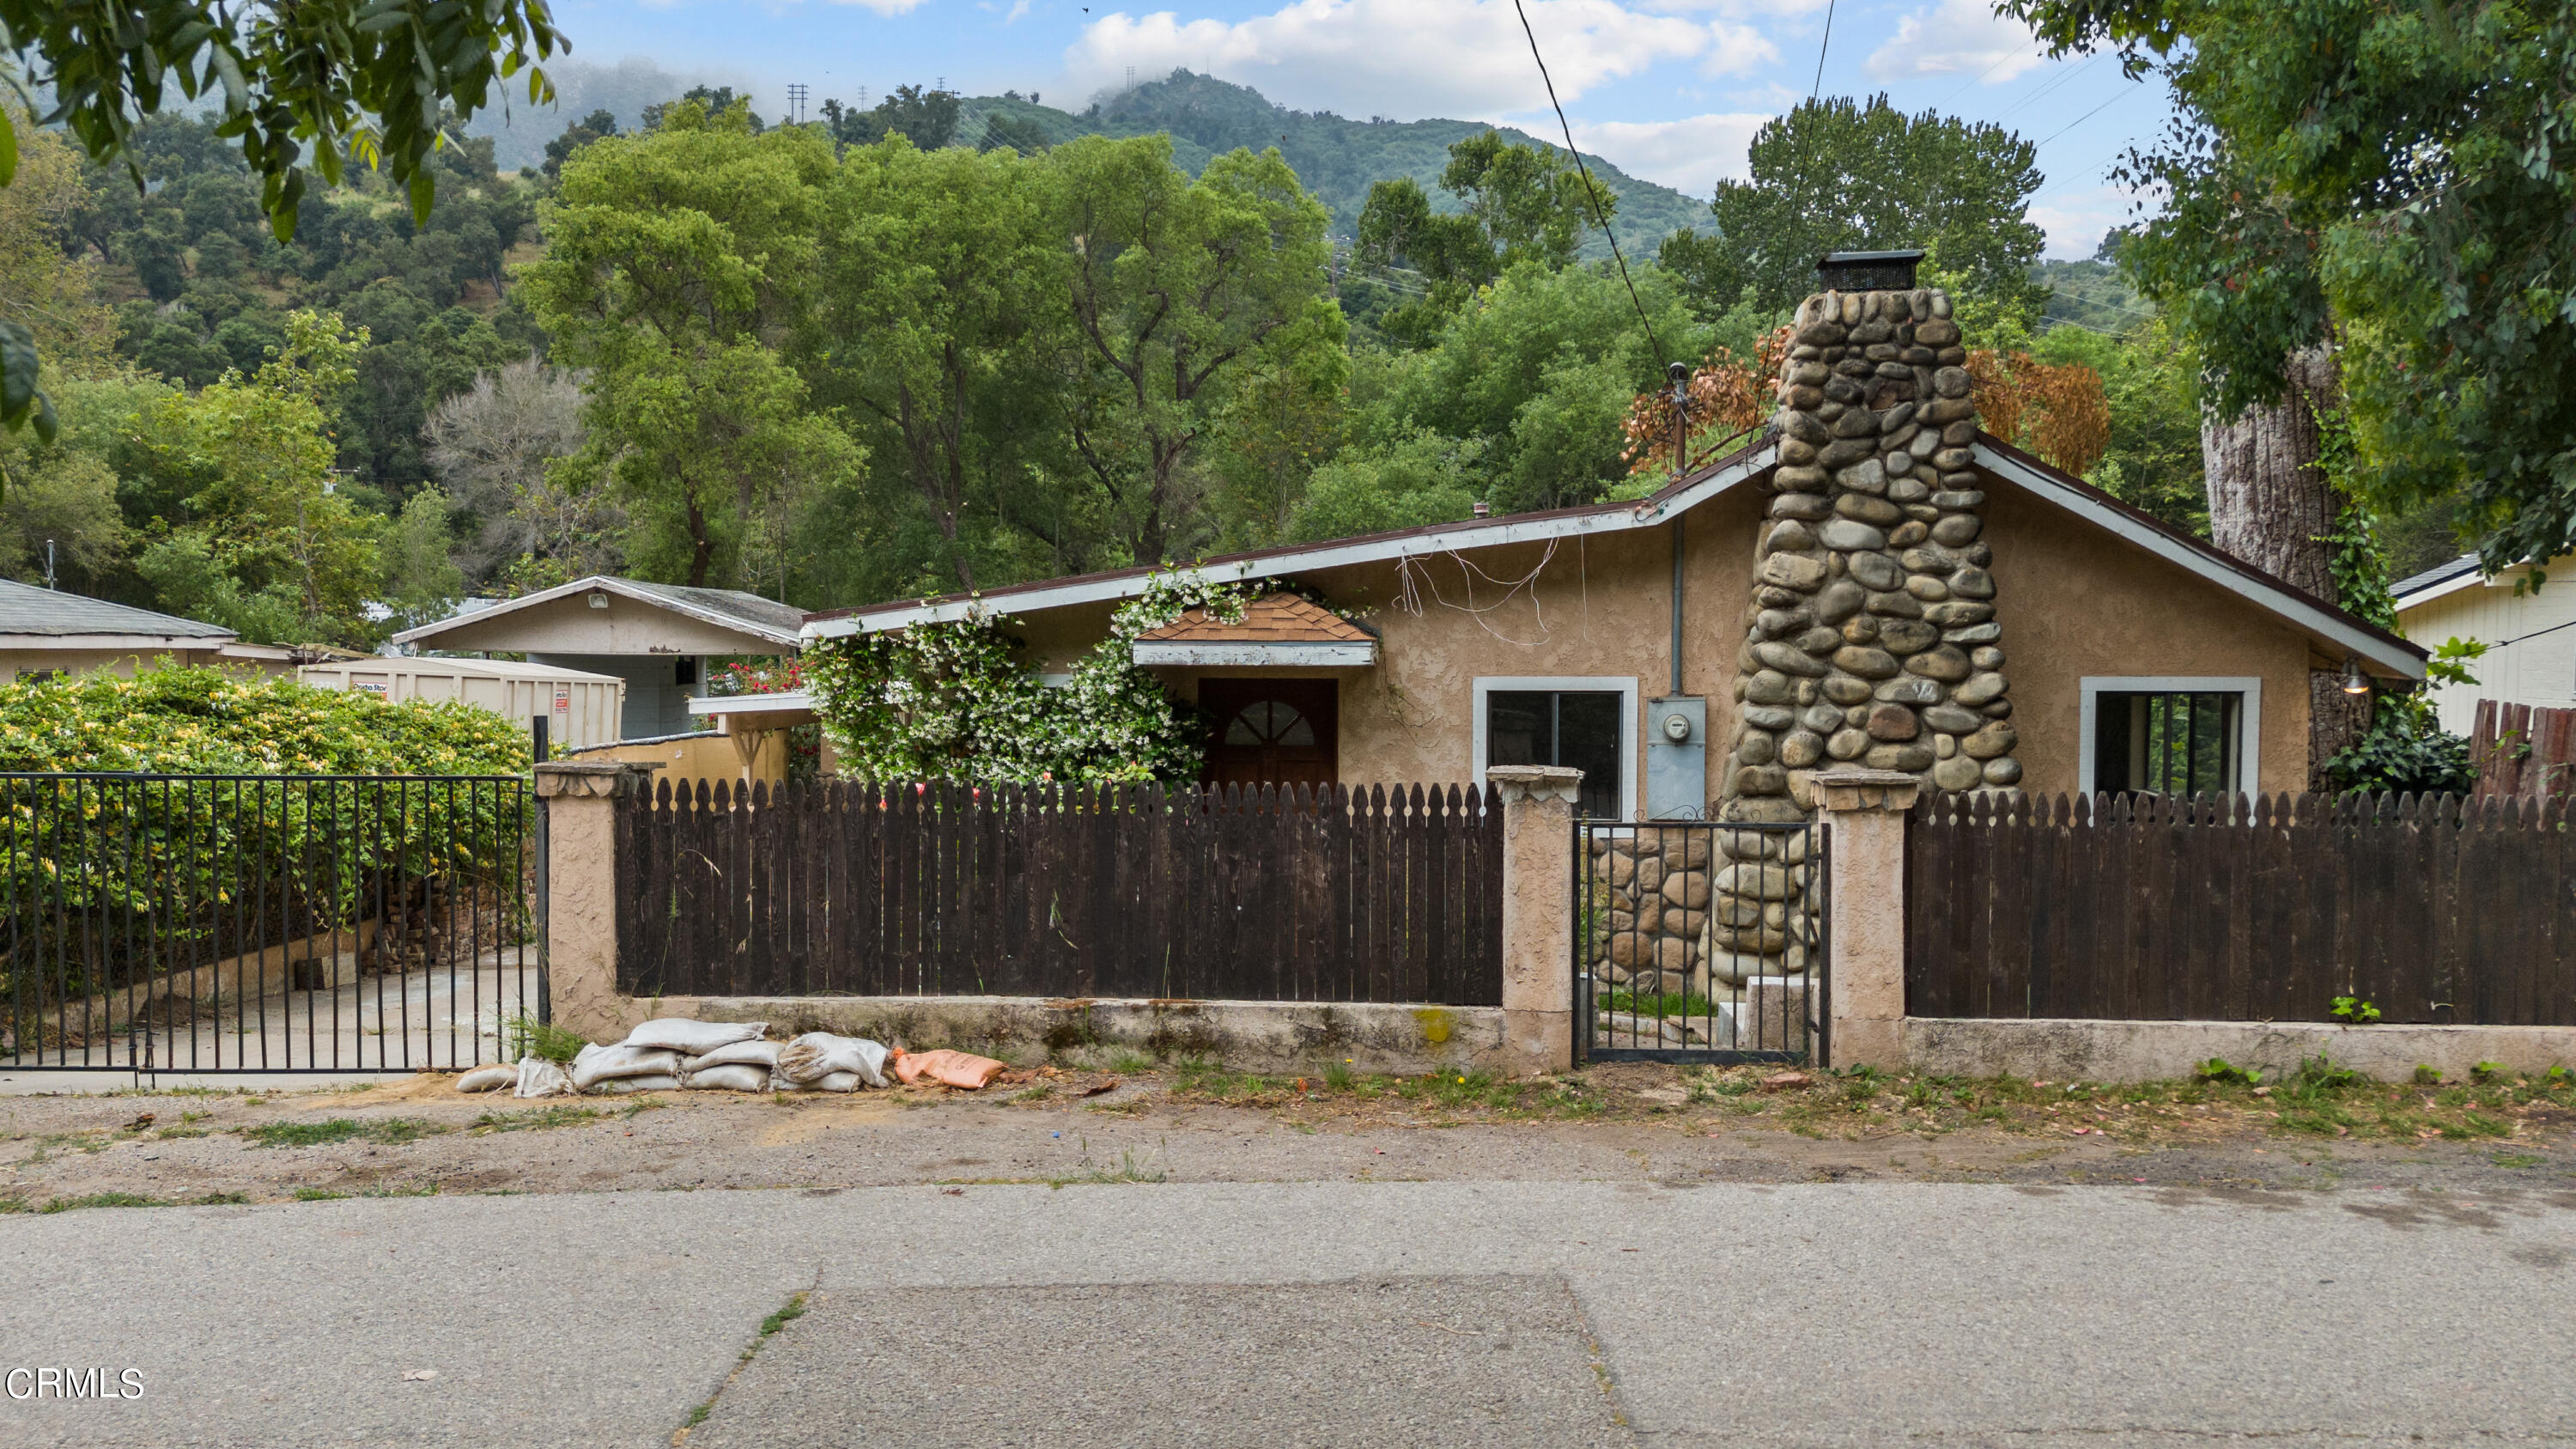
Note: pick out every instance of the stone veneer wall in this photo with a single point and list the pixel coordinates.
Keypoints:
(1871, 638)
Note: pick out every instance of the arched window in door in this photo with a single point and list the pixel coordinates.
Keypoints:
(1275, 731)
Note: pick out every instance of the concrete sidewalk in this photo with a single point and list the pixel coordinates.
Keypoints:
(1831, 1314)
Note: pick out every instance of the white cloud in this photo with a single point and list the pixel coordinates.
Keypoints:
(1406, 58)
(1690, 156)
(1958, 37)
(884, 7)
(1736, 50)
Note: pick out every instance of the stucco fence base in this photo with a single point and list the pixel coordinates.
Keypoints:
(2146, 1051)
(1252, 1036)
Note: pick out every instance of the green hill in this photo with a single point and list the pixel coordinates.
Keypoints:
(1336, 157)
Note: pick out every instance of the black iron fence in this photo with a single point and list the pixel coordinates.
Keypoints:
(218, 923)
(1699, 941)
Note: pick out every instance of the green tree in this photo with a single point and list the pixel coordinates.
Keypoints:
(262, 539)
(575, 136)
(1178, 289)
(1845, 175)
(2394, 180)
(324, 81)
(1518, 203)
(679, 262)
(941, 302)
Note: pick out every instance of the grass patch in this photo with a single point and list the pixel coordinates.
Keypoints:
(2518, 1159)
(1038, 1093)
(1665, 1004)
(392, 1131)
(535, 1119)
(138, 1200)
(1130, 1061)
(318, 1194)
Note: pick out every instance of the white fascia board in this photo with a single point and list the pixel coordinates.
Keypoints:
(2470, 580)
(1322, 556)
(1284, 655)
(2289, 606)
(115, 641)
(782, 703)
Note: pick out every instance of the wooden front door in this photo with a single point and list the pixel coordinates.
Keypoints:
(1276, 731)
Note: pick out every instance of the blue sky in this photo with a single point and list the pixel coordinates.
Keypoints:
(1670, 90)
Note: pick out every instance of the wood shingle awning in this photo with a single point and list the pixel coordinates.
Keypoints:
(1276, 629)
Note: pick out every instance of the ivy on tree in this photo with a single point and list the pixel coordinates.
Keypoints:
(2394, 178)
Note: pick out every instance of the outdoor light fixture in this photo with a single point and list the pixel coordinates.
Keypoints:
(599, 598)
(2353, 682)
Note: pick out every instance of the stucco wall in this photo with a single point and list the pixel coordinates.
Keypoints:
(15, 662)
(2075, 600)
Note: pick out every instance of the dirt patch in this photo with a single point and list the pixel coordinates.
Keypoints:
(1630, 1122)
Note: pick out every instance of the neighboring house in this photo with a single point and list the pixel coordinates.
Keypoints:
(2530, 633)
(658, 638)
(1613, 637)
(45, 632)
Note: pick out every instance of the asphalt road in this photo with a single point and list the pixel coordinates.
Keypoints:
(1490, 1313)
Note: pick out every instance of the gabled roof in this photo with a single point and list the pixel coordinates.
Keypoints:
(2373, 645)
(725, 608)
(2442, 578)
(1271, 619)
(28, 612)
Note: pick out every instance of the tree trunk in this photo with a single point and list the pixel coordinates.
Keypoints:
(2271, 505)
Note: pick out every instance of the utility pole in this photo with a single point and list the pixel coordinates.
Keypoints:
(796, 101)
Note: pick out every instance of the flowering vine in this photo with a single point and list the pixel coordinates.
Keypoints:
(951, 701)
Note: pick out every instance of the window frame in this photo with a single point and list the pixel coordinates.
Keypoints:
(2249, 717)
(1623, 685)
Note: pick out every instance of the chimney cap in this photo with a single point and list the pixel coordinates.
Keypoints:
(1868, 271)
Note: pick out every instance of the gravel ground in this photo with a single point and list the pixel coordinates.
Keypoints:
(1637, 1123)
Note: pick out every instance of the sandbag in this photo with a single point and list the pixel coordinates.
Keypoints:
(737, 1077)
(692, 1038)
(597, 1064)
(818, 1054)
(963, 1070)
(487, 1079)
(828, 1082)
(541, 1078)
(753, 1053)
(658, 1082)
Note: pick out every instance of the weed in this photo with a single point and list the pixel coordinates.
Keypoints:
(168, 1134)
(2320, 1075)
(392, 1131)
(114, 1200)
(2477, 1124)
(2486, 1071)
(536, 1119)
(303, 1134)
(1339, 1077)
(788, 1313)
(2518, 1159)
(318, 1194)
(2427, 1075)
(2219, 1069)
(2354, 1011)
(1670, 1004)
(526, 1036)
(1130, 1061)
(1038, 1093)
(1129, 1169)
(642, 1105)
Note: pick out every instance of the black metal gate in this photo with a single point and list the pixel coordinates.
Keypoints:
(1700, 941)
(265, 923)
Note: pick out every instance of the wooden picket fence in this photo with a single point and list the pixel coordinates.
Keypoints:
(2433, 909)
(1276, 894)
(2521, 750)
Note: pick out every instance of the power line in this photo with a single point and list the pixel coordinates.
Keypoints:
(1589, 194)
(2088, 115)
(1818, 87)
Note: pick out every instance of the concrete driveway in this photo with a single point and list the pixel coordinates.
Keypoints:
(1538, 1313)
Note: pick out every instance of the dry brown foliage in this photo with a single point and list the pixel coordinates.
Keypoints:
(2058, 411)
(1728, 396)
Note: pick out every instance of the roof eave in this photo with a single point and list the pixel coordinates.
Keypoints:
(603, 583)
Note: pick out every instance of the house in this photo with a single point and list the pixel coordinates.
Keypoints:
(45, 632)
(1873, 582)
(658, 638)
(2530, 633)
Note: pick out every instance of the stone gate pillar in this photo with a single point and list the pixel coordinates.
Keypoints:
(580, 800)
(1538, 915)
